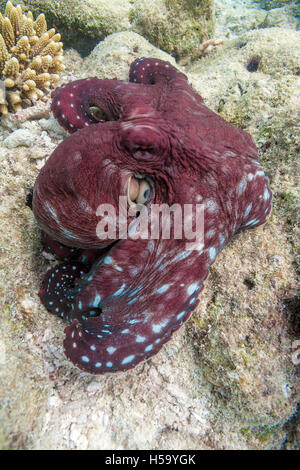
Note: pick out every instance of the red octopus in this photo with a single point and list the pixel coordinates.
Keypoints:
(148, 142)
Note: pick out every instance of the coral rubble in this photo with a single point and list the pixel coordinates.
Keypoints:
(30, 58)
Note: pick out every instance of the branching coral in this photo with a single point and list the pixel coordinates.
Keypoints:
(208, 46)
(30, 58)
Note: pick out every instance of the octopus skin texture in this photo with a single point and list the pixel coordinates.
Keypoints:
(152, 141)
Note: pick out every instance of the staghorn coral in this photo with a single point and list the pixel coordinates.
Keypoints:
(30, 58)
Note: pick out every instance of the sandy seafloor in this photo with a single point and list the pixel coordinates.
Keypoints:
(229, 378)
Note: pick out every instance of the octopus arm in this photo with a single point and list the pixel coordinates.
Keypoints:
(124, 313)
(152, 71)
(85, 102)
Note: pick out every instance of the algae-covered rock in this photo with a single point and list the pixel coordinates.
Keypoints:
(286, 6)
(113, 56)
(176, 26)
(229, 378)
(269, 4)
(20, 137)
(236, 18)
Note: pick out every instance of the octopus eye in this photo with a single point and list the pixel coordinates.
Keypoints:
(138, 191)
(98, 114)
(144, 192)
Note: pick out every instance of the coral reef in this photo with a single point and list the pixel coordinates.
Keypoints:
(227, 380)
(175, 26)
(30, 58)
(83, 26)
